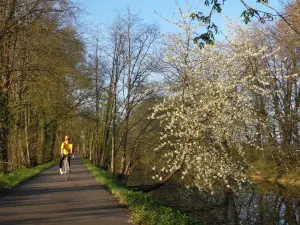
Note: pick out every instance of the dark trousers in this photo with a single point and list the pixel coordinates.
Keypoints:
(62, 159)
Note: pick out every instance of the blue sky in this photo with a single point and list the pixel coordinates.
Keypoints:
(103, 11)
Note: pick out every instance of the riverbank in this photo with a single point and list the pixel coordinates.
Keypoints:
(12, 179)
(291, 178)
(144, 209)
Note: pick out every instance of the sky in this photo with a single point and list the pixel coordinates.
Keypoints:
(103, 11)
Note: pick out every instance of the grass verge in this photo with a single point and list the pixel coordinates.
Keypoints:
(144, 210)
(12, 179)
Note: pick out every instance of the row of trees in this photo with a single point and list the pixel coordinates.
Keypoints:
(41, 78)
(123, 60)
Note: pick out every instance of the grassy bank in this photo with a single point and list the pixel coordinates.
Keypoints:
(144, 209)
(266, 170)
(12, 179)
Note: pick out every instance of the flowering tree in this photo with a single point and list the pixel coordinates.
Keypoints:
(209, 120)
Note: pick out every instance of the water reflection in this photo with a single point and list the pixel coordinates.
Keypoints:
(254, 204)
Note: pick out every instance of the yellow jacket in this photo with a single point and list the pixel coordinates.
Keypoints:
(66, 148)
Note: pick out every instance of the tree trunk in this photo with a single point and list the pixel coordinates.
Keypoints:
(26, 138)
(151, 187)
(113, 150)
(4, 107)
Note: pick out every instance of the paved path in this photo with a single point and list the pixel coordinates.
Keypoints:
(48, 199)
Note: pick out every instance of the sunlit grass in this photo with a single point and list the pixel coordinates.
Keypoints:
(12, 179)
(144, 209)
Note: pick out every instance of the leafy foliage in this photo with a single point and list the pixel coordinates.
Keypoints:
(217, 6)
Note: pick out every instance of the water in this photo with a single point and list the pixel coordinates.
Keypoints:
(264, 203)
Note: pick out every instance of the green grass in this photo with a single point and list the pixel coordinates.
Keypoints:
(144, 210)
(12, 179)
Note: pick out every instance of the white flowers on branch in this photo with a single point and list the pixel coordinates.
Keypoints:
(207, 120)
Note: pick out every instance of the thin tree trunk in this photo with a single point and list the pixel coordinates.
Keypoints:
(26, 138)
(113, 140)
(127, 104)
(149, 188)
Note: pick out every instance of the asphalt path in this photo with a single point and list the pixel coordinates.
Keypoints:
(48, 199)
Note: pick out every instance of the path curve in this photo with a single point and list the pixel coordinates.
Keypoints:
(48, 199)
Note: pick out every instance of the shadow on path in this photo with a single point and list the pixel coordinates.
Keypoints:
(48, 199)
